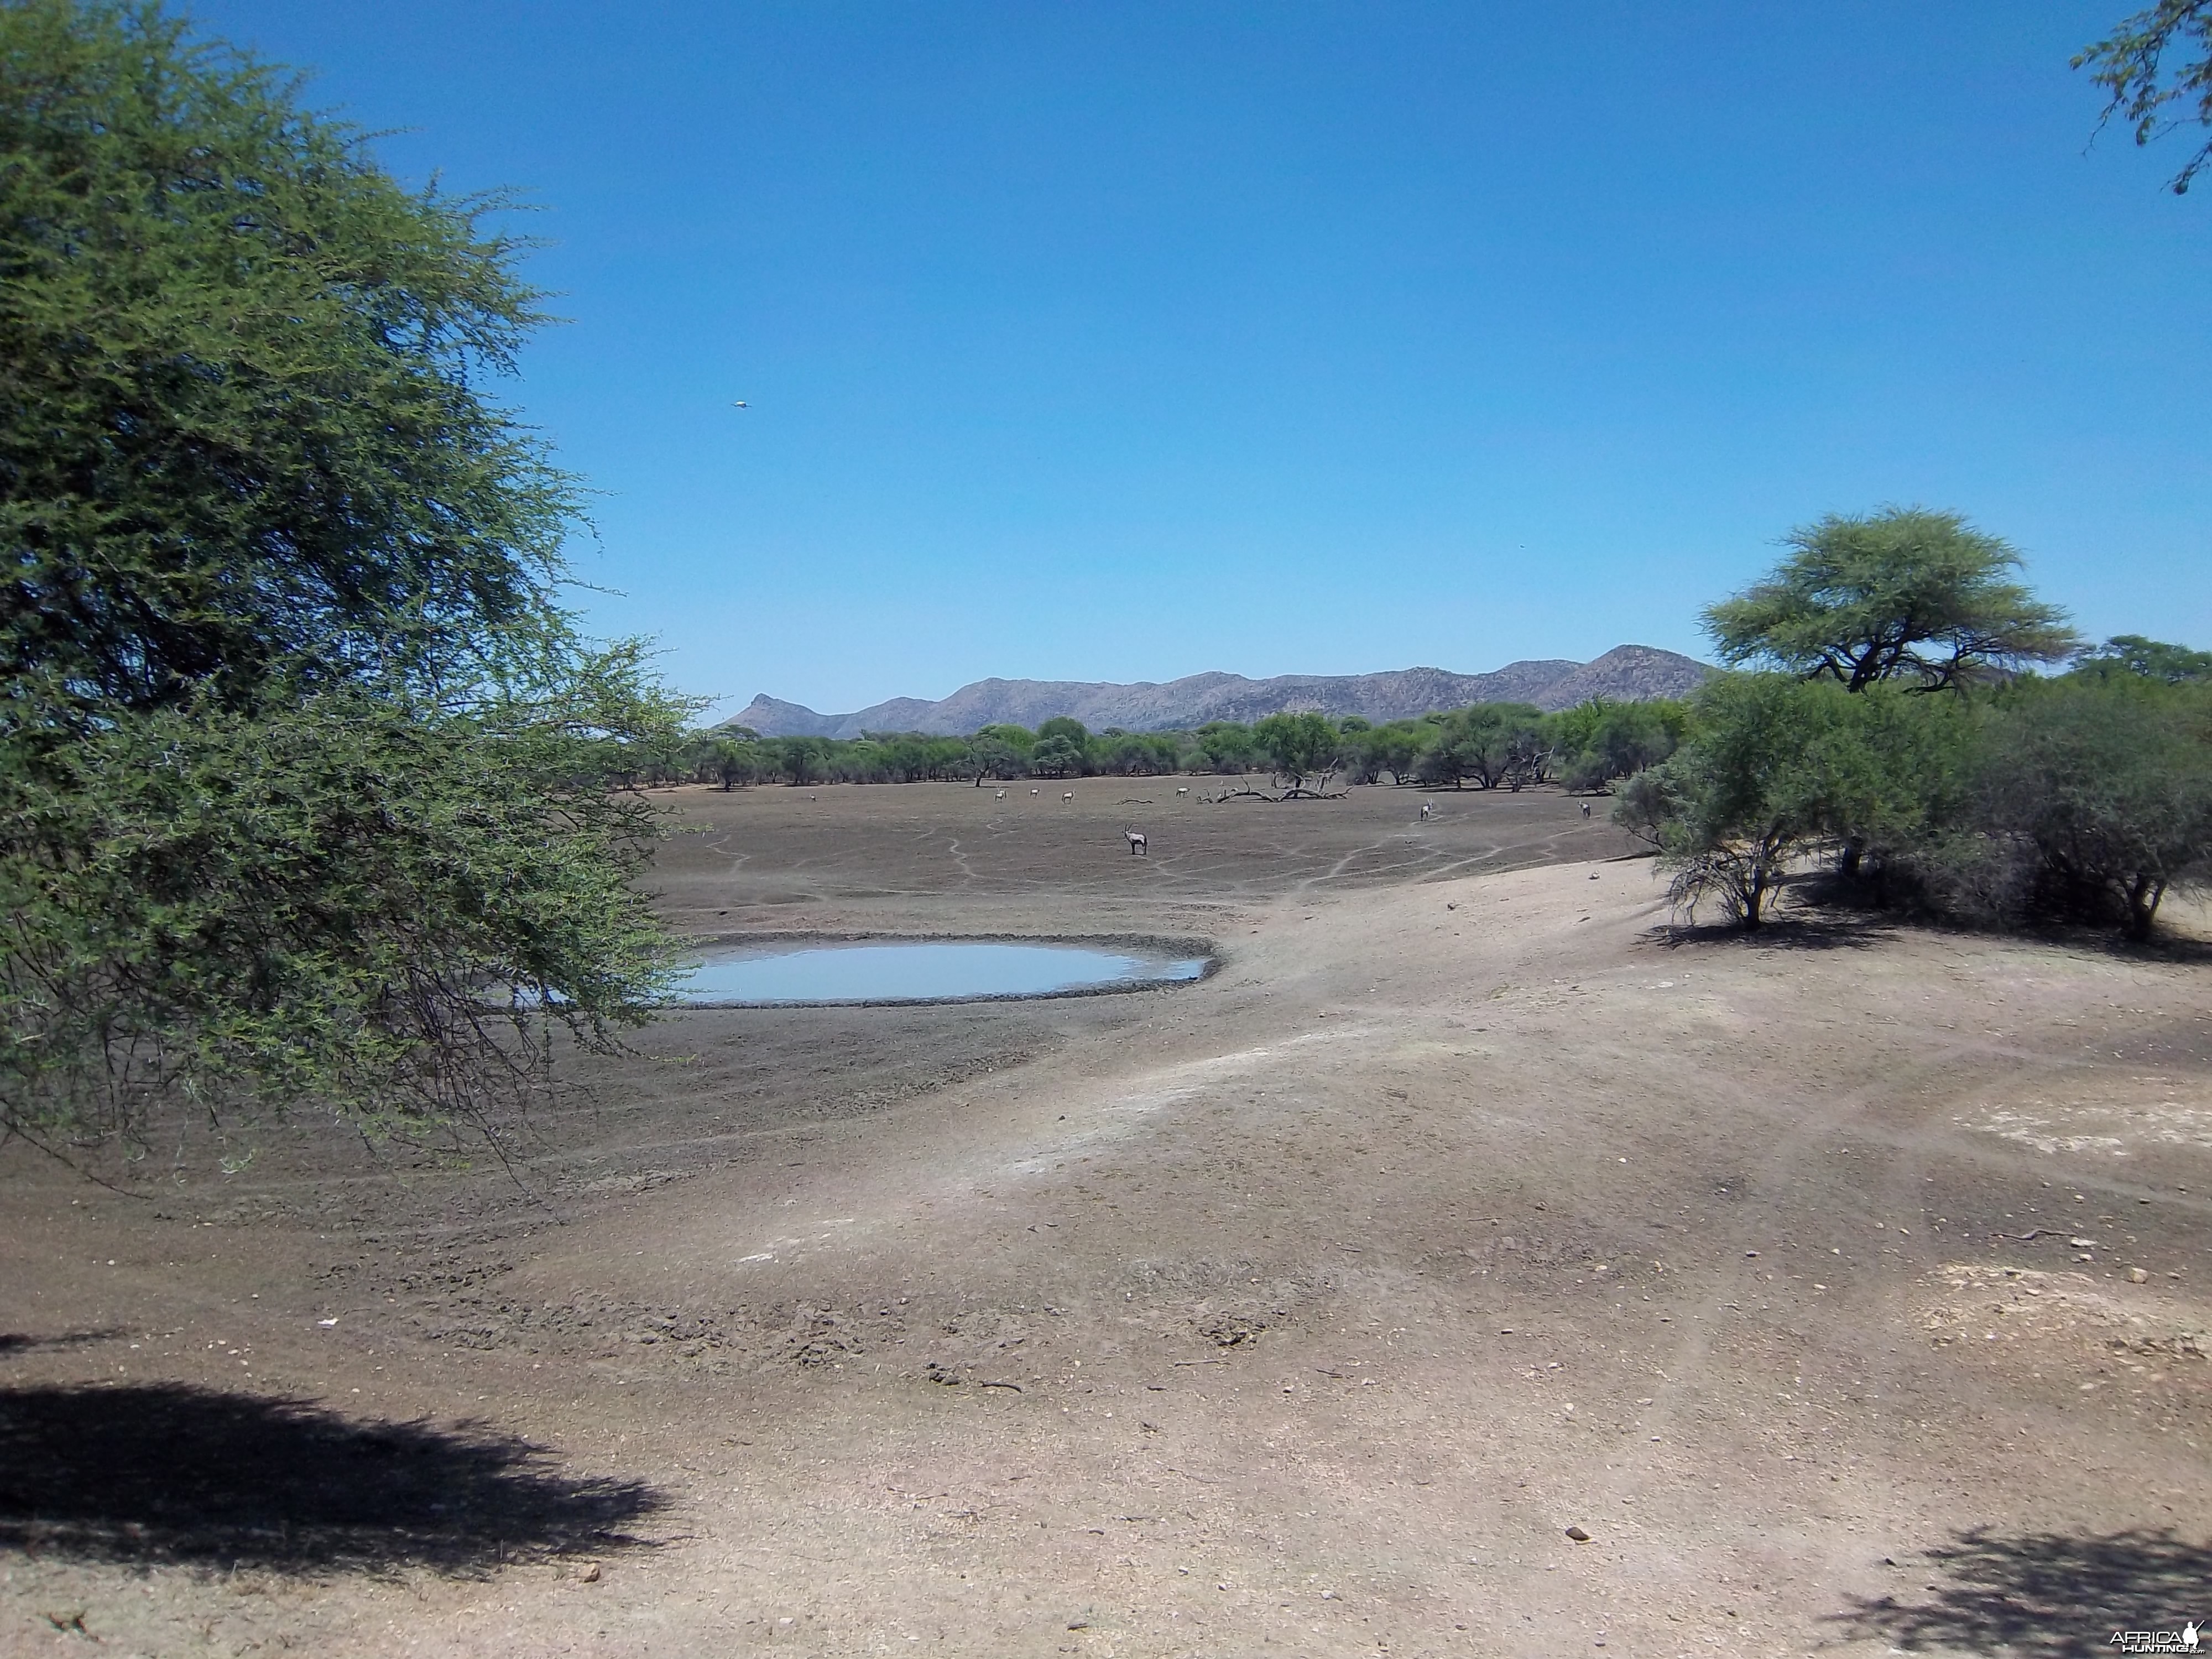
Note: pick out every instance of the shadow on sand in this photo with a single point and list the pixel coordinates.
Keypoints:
(2038, 1595)
(1796, 929)
(172, 1472)
(13, 1342)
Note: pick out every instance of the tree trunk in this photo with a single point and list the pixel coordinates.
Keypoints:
(2142, 906)
(1753, 894)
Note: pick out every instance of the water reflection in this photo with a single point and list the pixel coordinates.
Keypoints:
(922, 970)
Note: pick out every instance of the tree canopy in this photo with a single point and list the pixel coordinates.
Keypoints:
(2154, 659)
(1903, 593)
(2086, 797)
(304, 769)
(2156, 66)
(1299, 746)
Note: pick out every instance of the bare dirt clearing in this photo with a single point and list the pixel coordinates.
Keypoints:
(1847, 1298)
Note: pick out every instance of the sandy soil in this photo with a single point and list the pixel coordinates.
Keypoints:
(1845, 1287)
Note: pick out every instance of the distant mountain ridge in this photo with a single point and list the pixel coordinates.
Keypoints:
(1627, 673)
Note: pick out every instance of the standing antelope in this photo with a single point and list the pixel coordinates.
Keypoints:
(1001, 795)
(1428, 809)
(1137, 842)
(1037, 792)
(1069, 796)
(1184, 790)
(1585, 809)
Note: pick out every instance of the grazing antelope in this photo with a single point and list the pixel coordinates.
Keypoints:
(1185, 790)
(1137, 842)
(1037, 792)
(1585, 809)
(1001, 795)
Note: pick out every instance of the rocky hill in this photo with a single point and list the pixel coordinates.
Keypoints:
(1627, 673)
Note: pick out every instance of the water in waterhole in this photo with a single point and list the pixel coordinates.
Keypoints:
(922, 970)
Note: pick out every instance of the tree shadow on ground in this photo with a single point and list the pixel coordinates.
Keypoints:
(174, 1473)
(2039, 1595)
(1793, 931)
(14, 1342)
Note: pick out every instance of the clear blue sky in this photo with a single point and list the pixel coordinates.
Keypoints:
(1120, 341)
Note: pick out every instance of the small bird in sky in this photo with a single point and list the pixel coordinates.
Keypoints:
(737, 405)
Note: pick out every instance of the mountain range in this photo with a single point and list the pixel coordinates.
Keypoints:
(1627, 673)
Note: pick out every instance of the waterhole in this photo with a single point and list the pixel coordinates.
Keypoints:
(783, 973)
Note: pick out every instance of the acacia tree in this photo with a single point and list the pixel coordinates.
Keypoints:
(2104, 783)
(1223, 746)
(990, 755)
(305, 773)
(2152, 659)
(1300, 747)
(802, 760)
(1495, 744)
(2157, 68)
(1600, 740)
(1751, 790)
(1055, 756)
(1392, 748)
(1904, 593)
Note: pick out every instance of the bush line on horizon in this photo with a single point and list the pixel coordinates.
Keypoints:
(1493, 745)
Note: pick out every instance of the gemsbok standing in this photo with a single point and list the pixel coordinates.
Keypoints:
(1137, 842)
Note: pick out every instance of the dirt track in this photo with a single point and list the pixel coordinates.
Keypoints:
(1301, 1311)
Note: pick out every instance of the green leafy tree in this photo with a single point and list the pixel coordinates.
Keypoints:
(2156, 67)
(1064, 725)
(1134, 754)
(802, 760)
(1763, 779)
(1599, 741)
(1299, 746)
(990, 755)
(1224, 746)
(2096, 797)
(1056, 755)
(1904, 594)
(1393, 748)
(2131, 654)
(308, 787)
(1495, 744)
(730, 760)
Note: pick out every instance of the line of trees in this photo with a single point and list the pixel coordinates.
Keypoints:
(1913, 717)
(1483, 746)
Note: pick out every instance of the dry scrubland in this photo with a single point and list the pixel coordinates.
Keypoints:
(1299, 1312)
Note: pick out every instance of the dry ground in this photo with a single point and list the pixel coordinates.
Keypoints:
(1847, 1288)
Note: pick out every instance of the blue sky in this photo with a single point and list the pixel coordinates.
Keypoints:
(1122, 341)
